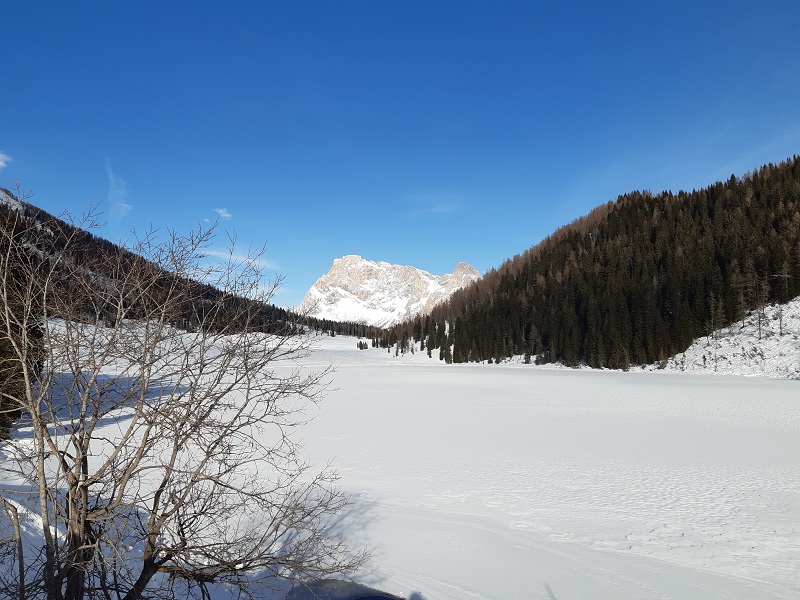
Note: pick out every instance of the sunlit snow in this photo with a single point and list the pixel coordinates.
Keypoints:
(765, 343)
(518, 482)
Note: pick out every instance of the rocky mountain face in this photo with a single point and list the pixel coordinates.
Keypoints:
(379, 293)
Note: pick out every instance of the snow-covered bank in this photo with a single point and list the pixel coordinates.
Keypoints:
(766, 344)
(498, 482)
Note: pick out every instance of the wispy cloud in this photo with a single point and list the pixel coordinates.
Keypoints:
(422, 205)
(257, 261)
(4, 160)
(223, 213)
(118, 207)
(252, 273)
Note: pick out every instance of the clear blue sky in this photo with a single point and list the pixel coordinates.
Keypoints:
(414, 132)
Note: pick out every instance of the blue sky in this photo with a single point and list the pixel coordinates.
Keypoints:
(414, 132)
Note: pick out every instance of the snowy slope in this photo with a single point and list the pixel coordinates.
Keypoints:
(6, 198)
(767, 344)
(379, 293)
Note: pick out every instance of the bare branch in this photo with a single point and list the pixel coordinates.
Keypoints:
(159, 393)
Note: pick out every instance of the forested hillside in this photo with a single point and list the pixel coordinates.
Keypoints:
(52, 241)
(104, 283)
(635, 281)
(72, 258)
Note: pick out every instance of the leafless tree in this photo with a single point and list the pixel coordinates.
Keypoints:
(155, 454)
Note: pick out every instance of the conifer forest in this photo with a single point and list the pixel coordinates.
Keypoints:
(634, 281)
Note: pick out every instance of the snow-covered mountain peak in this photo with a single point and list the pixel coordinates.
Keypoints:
(380, 293)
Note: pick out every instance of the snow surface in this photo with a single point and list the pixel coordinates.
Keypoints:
(10, 200)
(766, 343)
(511, 482)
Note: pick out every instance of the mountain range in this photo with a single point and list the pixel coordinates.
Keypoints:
(380, 294)
(633, 282)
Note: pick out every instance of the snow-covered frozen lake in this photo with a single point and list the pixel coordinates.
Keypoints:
(520, 482)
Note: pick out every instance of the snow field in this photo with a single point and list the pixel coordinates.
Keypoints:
(493, 482)
(486, 482)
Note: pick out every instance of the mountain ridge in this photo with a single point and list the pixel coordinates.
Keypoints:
(379, 293)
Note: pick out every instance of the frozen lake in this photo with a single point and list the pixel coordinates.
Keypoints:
(515, 482)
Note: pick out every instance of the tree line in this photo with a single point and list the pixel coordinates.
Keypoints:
(633, 282)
